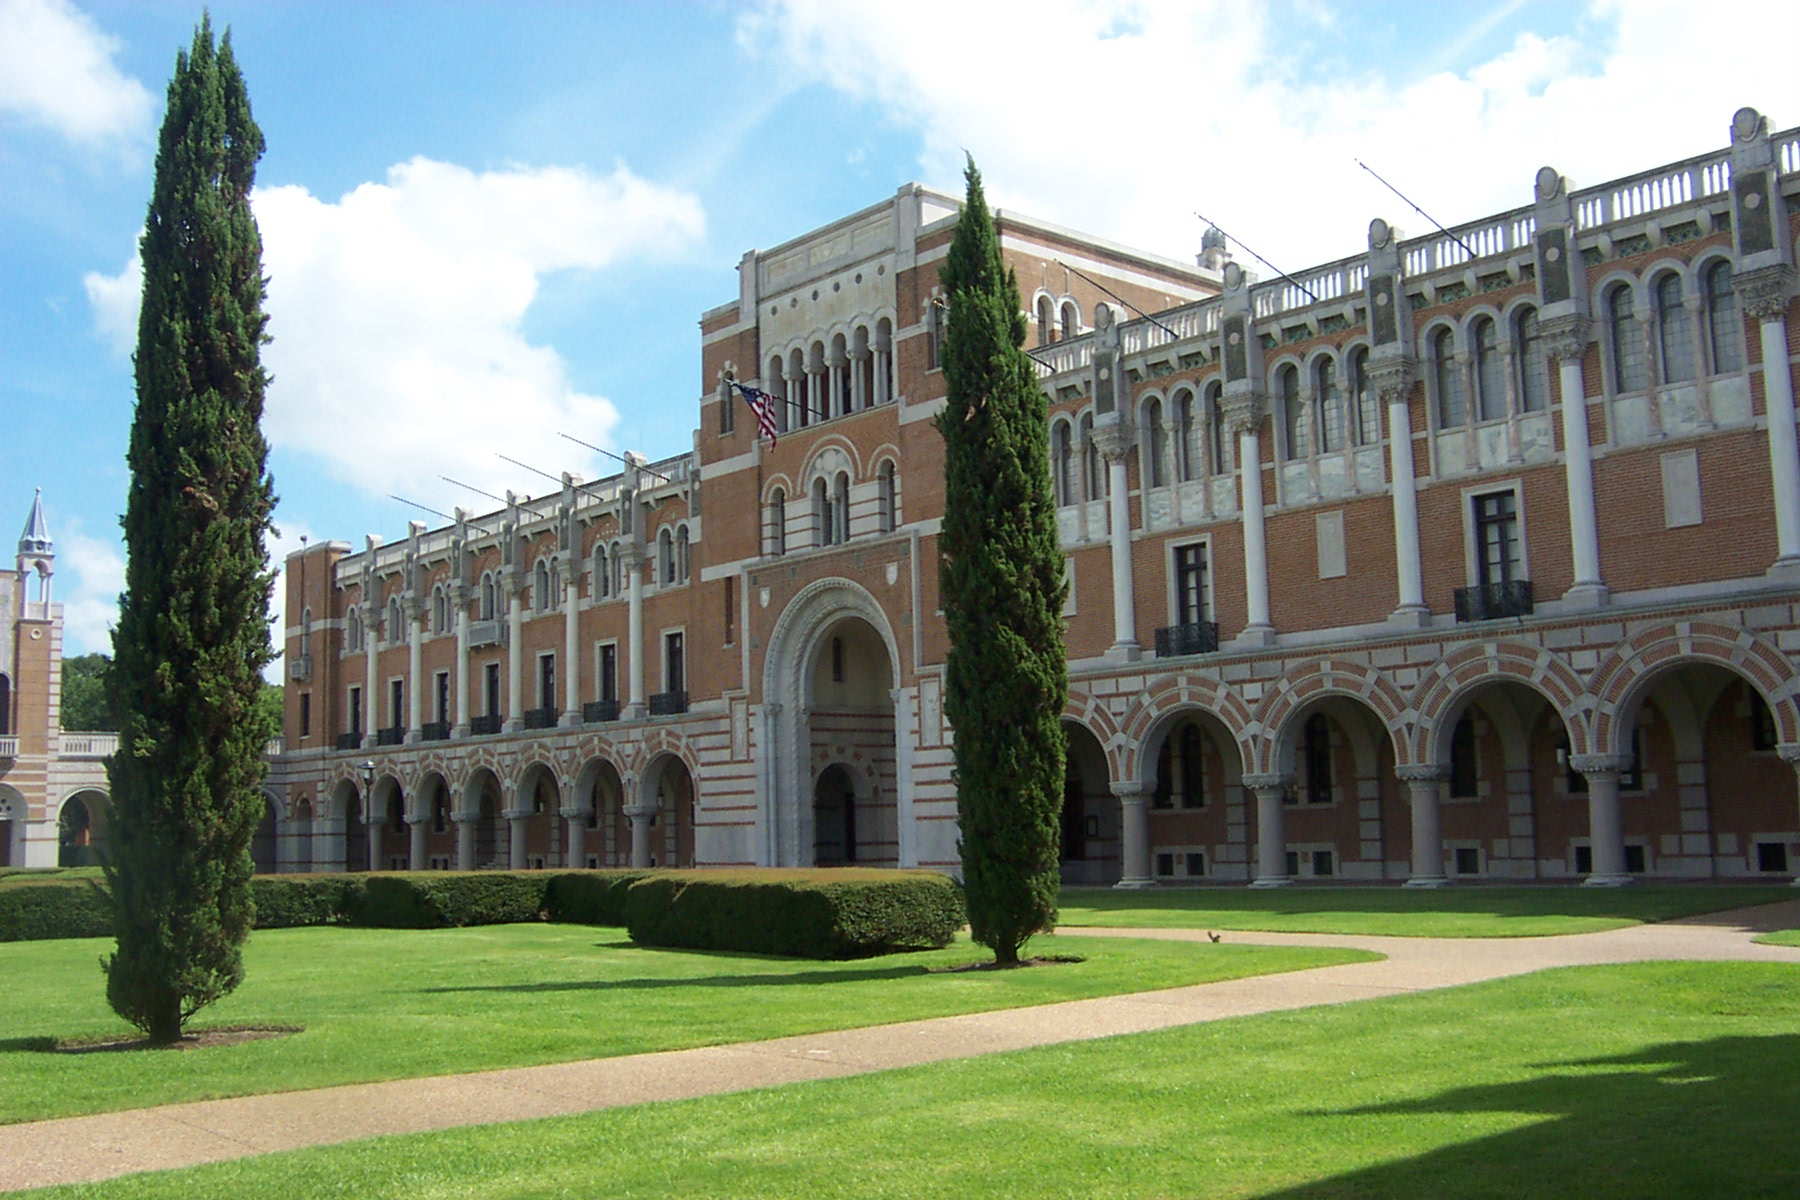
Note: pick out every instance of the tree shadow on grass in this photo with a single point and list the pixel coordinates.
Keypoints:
(799, 978)
(1709, 1118)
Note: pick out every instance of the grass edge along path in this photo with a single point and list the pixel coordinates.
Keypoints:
(1781, 937)
(396, 1004)
(1532, 1085)
(1484, 911)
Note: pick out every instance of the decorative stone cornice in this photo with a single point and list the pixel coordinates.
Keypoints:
(1422, 773)
(1765, 292)
(1597, 764)
(1267, 781)
(1566, 338)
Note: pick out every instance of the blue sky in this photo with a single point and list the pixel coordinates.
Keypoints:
(486, 225)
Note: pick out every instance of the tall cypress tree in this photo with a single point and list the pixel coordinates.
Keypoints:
(192, 638)
(1001, 579)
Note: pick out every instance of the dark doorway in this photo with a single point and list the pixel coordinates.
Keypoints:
(834, 819)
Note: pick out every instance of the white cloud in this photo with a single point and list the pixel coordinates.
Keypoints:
(91, 599)
(57, 70)
(1123, 118)
(397, 311)
(114, 299)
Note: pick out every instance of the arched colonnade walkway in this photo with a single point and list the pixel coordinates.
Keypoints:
(1674, 755)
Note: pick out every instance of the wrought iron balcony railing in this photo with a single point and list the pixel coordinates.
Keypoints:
(667, 704)
(1197, 637)
(434, 731)
(488, 723)
(600, 710)
(393, 735)
(1489, 601)
(300, 667)
(541, 718)
(487, 633)
(348, 741)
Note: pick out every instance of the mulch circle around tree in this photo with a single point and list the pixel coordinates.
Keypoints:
(200, 1039)
(1042, 960)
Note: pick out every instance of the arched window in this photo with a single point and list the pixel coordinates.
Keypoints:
(440, 609)
(1452, 408)
(840, 519)
(1156, 444)
(353, 633)
(821, 504)
(1071, 319)
(1365, 415)
(1627, 342)
(1293, 424)
(305, 632)
(1724, 328)
(665, 556)
(540, 586)
(1102, 310)
(884, 355)
(1062, 462)
(777, 386)
(862, 359)
(1190, 451)
(934, 328)
(1046, 321)
(683, 554)
(1328, 411)
(798, 403)
(488, 598)
(5, 706)
(818, 387)
(890, 497)
(1215, 428)
(1093, 473)
(618, 570)
(778, 522)
(602, 577)
(1490, 378)
(396, 629)
(1532, 363)
(837, 378)
(1674, 330)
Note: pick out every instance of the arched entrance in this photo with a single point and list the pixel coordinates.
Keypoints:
(386, 832)
(1343, 797)
(539, 798)
(834, 818)
(669, 788)
(264, 851)
(12, 824)
(605, 831)
(81, 829)
(481, 842)
(300, 837)
(340, 842)
(1090, 813)
(432, 802)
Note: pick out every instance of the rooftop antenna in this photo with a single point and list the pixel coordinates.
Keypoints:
(429, 509)
(1467, 249)
(524, 502)
(628, 462)
(1259, 258)
(591, 487)
(1122, 300)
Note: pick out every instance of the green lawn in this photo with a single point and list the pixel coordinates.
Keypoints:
(10, 875)
(387, 1004)
(1782, 937)
(1664, 1079)
(1439, 912)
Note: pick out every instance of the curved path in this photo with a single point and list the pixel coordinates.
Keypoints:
(84, 1149)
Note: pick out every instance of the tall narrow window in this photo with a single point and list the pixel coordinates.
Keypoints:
(546, 680)
(821, 504)
(889, 480)
(441, 690)
(1446, 375)
(1093, 473)
(840, 503)
(5, 706)
(1674, 330)
(934, 329)
(540, 586)
(1293, 415)
(1071, 319)
(1190, 584)
(1318, 759)
(1046, 321)
(1531, 362)
(1724, 329)
(608, 683)
(778, 522)
(681, 554)
(1464, 776)
(396, 629)
(665, 557)
(1365, 416)
(674, 664)
(1215, 429)
(1190, 452)
(353, 631)
(490, 678)
(602, 576)
(1497, 538)
(1328, 413)
(305, 711)
(730, 609)
(1063, 464)
(396, 703)
(1156, 444)
(1630, 372)
(1490, 375)
(440, 610)
(356, 711)
(487, 597)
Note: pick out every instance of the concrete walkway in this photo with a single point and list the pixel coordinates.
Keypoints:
(84, 1149)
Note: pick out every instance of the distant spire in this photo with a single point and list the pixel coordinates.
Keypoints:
(36, 538)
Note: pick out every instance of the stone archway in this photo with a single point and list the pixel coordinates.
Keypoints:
(1089, 854)
(12, 827)
(835, 834)
(81, 828)
(666, 812)
(599, 829)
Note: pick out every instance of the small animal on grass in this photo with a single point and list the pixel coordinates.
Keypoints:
(1211, 936)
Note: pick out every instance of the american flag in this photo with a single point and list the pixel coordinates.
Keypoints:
(763, 405)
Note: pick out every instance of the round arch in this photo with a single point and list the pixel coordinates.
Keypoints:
(1167, 703)
(1630, 669)
(1298, 694)
(1440, 698)
(667, 787)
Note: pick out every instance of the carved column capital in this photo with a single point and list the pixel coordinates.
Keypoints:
(1130, 793)
(1597, 764)
(1243, 414)
(1391, 377)
(1566, 338)
(1267, 781)
(1790, 754)
(1765, 292)
(1114, 440)
(1422, 773)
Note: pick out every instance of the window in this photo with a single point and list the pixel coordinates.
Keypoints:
(1724, 329)
(1365, 417)
(396, 703)
(1318, 759)
(1196, 863)
(1531, 362)
(665, 557)
(1062, 463)
(730, 609)
(546, 680)
(1322, 862)
(441, 688)
(487, 596)
(1464, 775)
(602, 586)
(305, 714)
(1490, 375)
(491, 682)
(674, 668)
(353, 634)
(608, 681)
(1762, 723)
(1156, 444)
(821, 514)
(1046, 321)
(1497, 548)
(1467, 860)
(1215, 431)
(1165, 863)
(1772, 856)
(1446, 378)
(618, 570)
(796, 389)
(683, 557)
(356, 711)
(1190, 450)
(884, 360)
(934, 333)
(1674, 330)
(1190, 584)
(540, 586)
(1093, 472)
(840, 519)
(1634, 858)
(1293, 420)
(396, 628)
(1328, 413)
(778, 522)
(440, 610)
(1630, 373)
(890, 497)
(727, 410)
(305, 632)
(1071, 319)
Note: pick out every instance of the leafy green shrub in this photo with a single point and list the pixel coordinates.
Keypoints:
(289, 901)
(822, 913)
(590, 897)
(436, 899)
(30, 912)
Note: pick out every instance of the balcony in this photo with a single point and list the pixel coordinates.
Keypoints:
(541, 718)
(489, 723)
(9, 747)
(486, 633)
(348, 741)
(434, 731)
(1492, 601)
(668, 704)
(393, 735)
(88, 745)
(1197, 637)
(300, 667)
(600, 710)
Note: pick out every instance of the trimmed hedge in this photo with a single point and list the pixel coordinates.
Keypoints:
(440, 899)
(292, 901)
(591, 897)
(821, 913)
(32, 912)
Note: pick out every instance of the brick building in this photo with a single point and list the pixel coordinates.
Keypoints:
(1471, 556)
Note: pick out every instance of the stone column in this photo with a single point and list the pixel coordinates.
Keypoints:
(1271, 829)
(459, 596)
(1258, 631)
(415, 851)
(571, 664)
(576, 818)
(635, 707)
(415, 650)
(905, 737)
(1764, 295)
(1134, 826)
(640, 815)
(1114, 442)
(465, 839)
(1566, 340)
(1392, 382)
(371, 701)
(1606, 837)
(834, 375)
(859, 398)
(515, 650)
(515, 829)
(372, 835)
(1424, 784)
